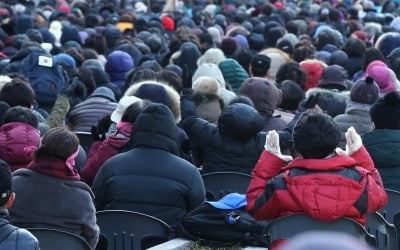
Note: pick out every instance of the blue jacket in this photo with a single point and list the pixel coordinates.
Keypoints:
(14, 238)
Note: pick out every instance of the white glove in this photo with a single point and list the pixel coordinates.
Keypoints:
(353, 142)
(272, 145)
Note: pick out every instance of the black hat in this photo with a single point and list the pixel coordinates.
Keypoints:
(365, 91)
(260, 65)
(333, 77)
(315, 135)
(385, 113)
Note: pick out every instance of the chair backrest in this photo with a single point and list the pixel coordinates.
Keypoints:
(392, 207)
(218, 184)
(85, 140)
(132, 230)
(384, 232)
(51, 239)
(289, 226)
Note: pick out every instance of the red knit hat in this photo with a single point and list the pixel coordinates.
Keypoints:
(360, 35)
(168, 23)
(314, 71)
(65, 8)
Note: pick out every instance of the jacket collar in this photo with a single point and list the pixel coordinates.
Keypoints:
(333, 163)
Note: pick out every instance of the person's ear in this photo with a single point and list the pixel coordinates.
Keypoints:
(372, 125)
(10, 201)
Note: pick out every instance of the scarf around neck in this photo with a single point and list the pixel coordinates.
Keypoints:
(52, 166)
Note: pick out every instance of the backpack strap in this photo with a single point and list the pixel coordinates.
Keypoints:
(6, 229)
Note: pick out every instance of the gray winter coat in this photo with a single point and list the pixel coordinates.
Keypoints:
(89, 112)
(49, 202)
(356, 115)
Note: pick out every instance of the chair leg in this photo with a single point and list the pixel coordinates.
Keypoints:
(132, 236)
(115, 240)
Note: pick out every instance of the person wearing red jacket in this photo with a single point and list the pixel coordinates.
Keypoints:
(321, 183)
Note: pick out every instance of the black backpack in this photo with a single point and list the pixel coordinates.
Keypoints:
(223, 225)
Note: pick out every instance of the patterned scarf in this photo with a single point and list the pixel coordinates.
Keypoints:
(52, 166)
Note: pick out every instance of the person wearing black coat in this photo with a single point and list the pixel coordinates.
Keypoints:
(235, 144)
(150, 178)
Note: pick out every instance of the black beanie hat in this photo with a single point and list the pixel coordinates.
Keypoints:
(315, 135)
(385, 113)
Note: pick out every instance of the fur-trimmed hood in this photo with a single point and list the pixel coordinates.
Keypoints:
(333, 102)
(174, 97)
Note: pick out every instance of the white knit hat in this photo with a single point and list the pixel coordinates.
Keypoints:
(123, 104)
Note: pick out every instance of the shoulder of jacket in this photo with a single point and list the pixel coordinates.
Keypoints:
(22, 172)
(81, 186)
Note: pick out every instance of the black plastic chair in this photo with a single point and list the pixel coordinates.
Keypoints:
(85, 140)
(391, 212)
(132, 230)
(219, 184)
(53, 239)
(392, 207)
(384, 232)
(289, 226)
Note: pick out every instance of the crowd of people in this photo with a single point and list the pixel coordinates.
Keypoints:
(303, 95)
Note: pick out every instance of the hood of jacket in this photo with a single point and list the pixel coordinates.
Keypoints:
(265, 95)
(14, 138)
(174, 97)
(155, 127)
(118, 64)
(240, 121)
(333, 102)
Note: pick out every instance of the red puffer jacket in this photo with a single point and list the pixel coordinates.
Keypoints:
(326, 189)
(100, 151)
(14, 138)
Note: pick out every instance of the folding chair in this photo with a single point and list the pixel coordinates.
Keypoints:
(288, 226)
(132, 230)
(384, 232)
(51, 239)
(218, 184)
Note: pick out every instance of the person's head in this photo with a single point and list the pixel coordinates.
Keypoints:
(21, 114)
(242, 99)
(385, 113)
(292, 71)
(371, 54)
(260, 65)
(139, 75)
(324, 38)
(333, 77)
(365, 91)
(292, 95)
(171, 78)
(205, 84)
(132, 111)
(303, 52)
(96, 42)
(354, 47)
(240, 121)
(315, 135)
(51, 147)
(18, 93)
(6, 196)
(339, 57)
